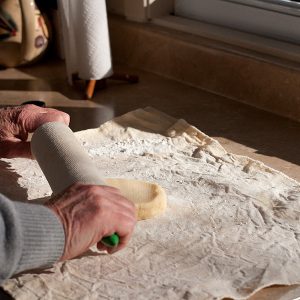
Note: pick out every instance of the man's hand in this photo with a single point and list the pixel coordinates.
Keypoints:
(89, 213)
(17, 122)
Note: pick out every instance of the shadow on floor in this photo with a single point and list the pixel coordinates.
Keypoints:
(4, 295)
(9, 183)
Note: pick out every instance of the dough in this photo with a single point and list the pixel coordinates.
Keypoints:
(150, 199)
(70, 163)
(220, 238)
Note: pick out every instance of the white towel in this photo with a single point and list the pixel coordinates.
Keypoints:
(86, 38)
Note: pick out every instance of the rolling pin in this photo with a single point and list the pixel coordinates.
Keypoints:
(64, 161)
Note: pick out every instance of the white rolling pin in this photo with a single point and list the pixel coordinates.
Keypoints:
(64, 161)
(61, 157)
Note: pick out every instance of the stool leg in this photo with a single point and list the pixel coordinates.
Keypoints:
(89, 92)
(91, 84)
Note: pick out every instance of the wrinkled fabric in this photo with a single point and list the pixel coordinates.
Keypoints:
(231, 227)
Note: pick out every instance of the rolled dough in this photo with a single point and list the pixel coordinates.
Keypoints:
(149, 198)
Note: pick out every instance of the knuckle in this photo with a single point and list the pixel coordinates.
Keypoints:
(130, 222)
(76, 186)
(96, 208)
(66, 117)
(93, 189)
(60, 117)
(100, 207)
(110, 189)
(27, 110)
(56, 116)
(30, 107)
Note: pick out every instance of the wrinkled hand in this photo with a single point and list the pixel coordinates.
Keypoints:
(17, 122)
(89, 213)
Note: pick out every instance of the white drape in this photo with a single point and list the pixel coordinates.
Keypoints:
(86, 38)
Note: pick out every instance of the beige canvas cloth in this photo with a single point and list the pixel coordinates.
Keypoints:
(231, 227)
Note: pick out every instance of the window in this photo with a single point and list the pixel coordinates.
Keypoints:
(279, 19)
(267, 27)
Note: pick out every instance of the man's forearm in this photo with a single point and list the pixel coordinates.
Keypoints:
(31, 236)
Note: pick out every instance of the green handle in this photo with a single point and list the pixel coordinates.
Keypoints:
(111, 241)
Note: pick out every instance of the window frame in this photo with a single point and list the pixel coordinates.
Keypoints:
(264, 18)
(282, 50)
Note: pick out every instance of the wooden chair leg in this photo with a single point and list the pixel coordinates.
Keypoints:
(91, 84)
(90, 88)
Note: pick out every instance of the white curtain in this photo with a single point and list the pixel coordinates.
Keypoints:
(86, 38)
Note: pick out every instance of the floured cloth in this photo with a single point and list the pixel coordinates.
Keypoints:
(231, 227)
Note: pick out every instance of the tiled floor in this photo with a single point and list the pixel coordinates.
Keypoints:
(239, 128)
